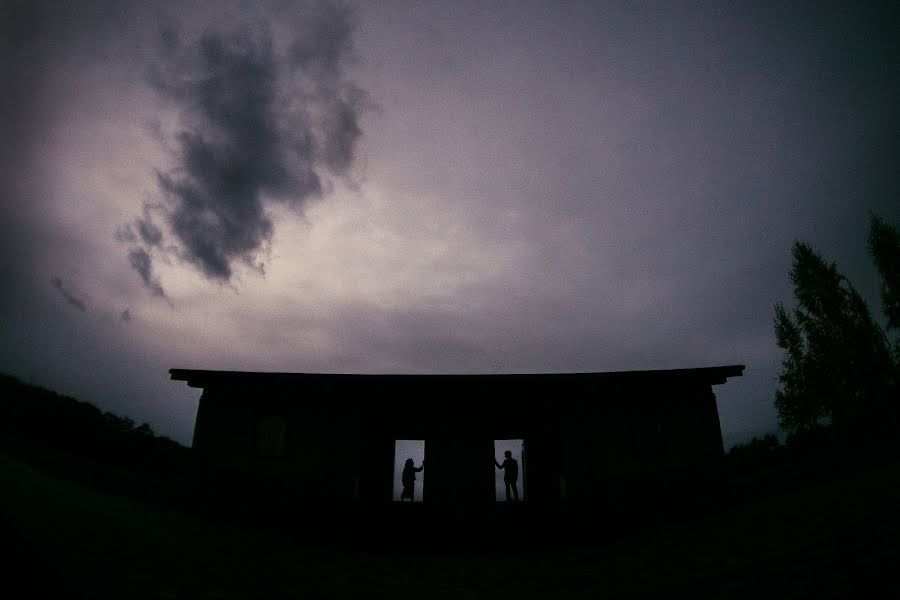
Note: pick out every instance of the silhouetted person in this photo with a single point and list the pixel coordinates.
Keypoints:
(409, 479)
(510, 468)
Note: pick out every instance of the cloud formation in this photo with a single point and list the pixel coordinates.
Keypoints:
(71, 298)
(140, 261)
(256, 126)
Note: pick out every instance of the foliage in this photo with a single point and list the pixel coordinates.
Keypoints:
(757, 453)
(34, 417)
(884, 246)
(837, 369)
(757, 446)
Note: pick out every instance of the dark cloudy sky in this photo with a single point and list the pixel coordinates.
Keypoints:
(428, 187)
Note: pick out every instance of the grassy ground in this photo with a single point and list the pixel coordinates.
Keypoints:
(828, 540)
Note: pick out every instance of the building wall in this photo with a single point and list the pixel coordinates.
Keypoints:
(306, 445)
(584, 444)
(631, 444)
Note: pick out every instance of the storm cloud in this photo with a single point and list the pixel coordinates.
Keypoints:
(255, 127)
(140, 261)
(69, 297)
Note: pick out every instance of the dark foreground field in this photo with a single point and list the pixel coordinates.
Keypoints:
(822, 540)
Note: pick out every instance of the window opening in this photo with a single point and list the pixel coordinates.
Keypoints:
(512, 472)
(413, 450)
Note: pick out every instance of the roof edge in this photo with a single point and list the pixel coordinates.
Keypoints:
(203, 377)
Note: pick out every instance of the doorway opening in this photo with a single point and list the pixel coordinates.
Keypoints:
(516, 448)
(409, 450)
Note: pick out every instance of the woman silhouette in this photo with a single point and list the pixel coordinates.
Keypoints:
(409, 479)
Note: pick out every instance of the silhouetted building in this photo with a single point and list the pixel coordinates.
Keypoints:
(590, 439)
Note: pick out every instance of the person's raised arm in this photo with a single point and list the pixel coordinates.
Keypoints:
(496, 464)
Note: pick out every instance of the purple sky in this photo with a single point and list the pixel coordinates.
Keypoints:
(428, 187)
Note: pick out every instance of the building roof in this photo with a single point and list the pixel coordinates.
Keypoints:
(201, 378)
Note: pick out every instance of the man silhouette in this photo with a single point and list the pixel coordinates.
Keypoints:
(510, 468)
(409, 479)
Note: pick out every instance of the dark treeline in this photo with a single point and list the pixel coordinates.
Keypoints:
(78, 439)
(840, 375)
(838, 399)
(765, 466)
(79, 442)
(32, 414)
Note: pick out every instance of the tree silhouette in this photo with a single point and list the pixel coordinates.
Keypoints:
(884, 246)
(837, 368)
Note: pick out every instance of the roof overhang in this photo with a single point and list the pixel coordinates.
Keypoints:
(200, 378)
